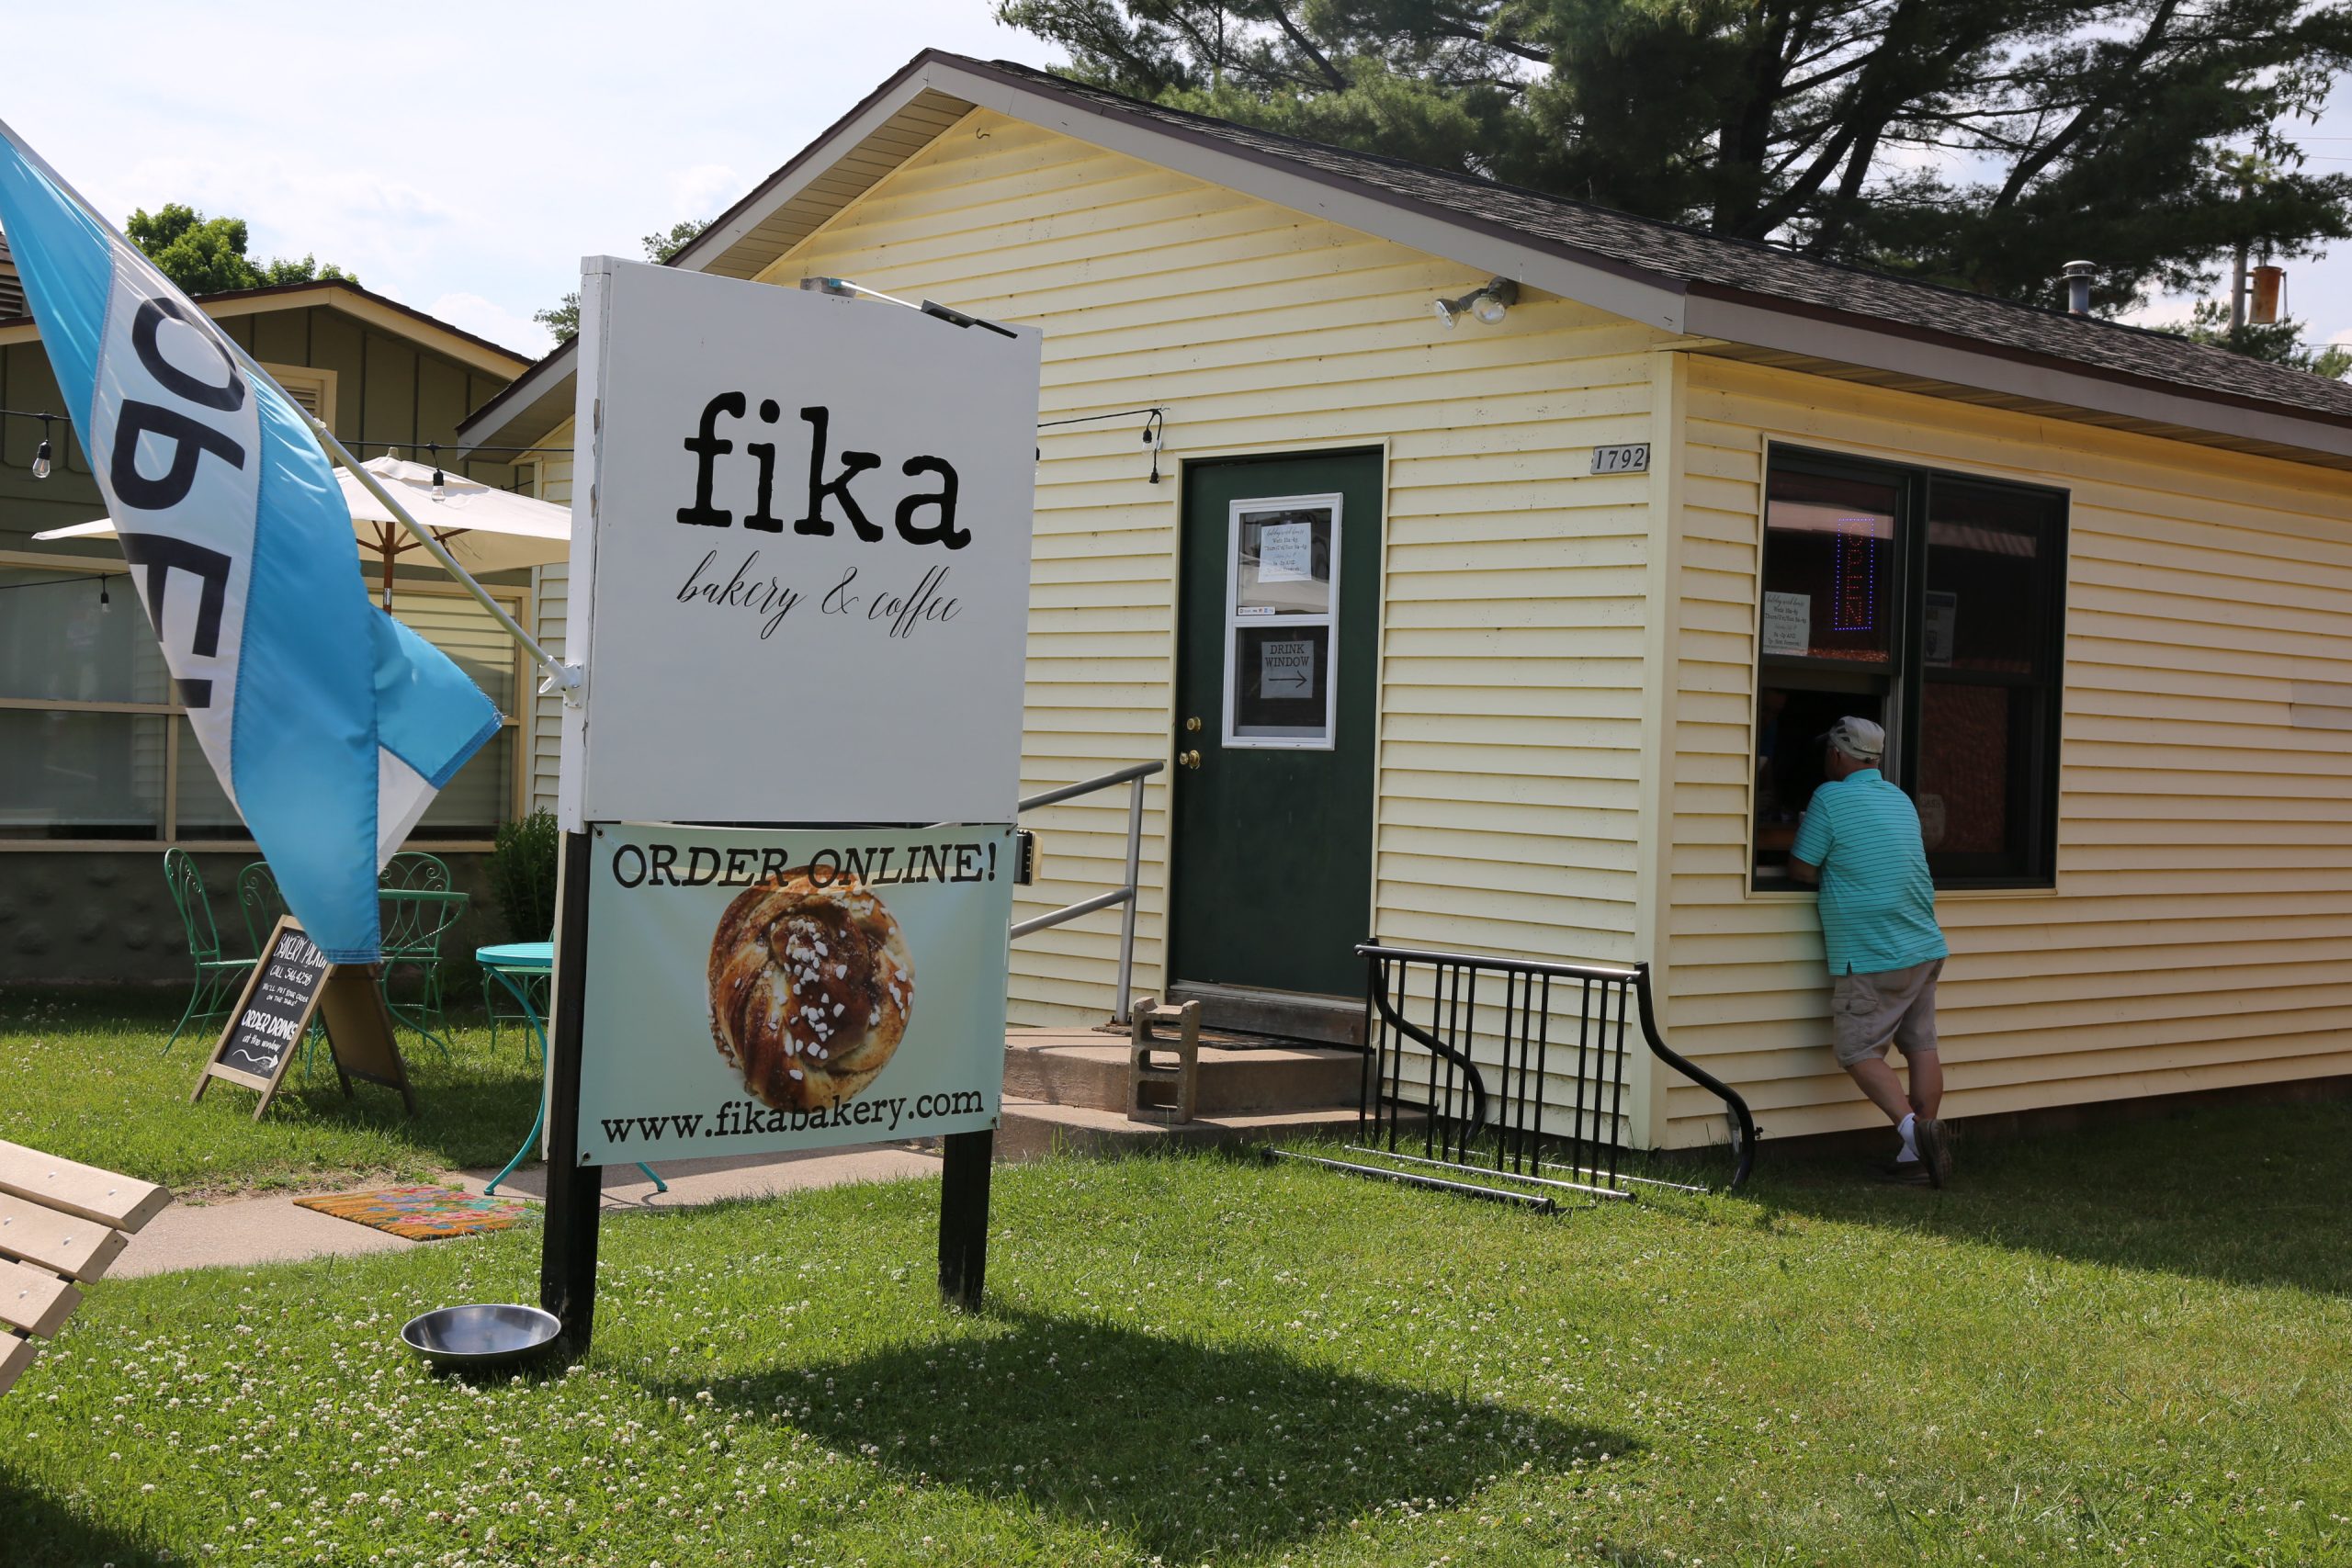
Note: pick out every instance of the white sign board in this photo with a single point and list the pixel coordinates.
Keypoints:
(1286, 552)
(1788, 623)
(766, 989)
(1286, 668)
(799, 560)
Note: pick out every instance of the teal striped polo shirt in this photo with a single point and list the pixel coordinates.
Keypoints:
(1878, 903)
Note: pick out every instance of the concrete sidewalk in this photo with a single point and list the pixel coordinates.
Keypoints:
(248, 1230)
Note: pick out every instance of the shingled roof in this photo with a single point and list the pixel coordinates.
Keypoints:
(1746, 268)
(1730, 297)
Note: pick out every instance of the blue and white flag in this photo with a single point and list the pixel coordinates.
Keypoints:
(330, 723)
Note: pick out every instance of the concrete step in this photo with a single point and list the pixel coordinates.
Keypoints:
(1087, 1070)
(1033, 1129)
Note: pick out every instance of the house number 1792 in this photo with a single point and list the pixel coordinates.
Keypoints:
(1632, 460)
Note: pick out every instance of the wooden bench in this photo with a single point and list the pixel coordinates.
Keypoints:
(62, 1224)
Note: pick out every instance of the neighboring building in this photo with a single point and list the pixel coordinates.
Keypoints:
(99, 770)
(2097, 581)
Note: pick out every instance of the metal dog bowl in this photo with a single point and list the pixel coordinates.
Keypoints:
(488, 1335)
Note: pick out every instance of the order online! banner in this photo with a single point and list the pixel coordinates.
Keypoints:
(752, 991)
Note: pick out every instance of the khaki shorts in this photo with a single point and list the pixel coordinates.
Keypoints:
(1898, 1005)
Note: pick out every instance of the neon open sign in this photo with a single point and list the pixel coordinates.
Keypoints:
(1853, 600)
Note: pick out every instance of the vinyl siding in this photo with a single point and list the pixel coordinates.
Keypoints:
(550, 595)
(1509, 778)
(2196, 937)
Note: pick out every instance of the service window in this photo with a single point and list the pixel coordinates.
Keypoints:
(1933, 604)
(1282, 602)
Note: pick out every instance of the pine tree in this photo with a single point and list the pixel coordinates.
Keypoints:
(1977, 142)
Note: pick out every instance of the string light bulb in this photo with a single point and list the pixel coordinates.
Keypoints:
(41, 464)
(103, 600)
(440, 481)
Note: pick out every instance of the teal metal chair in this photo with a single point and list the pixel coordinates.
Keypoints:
(259, 901)
(414, 921)
(414, 927)
(218, 978)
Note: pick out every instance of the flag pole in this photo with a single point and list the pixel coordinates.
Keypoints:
(561, 677)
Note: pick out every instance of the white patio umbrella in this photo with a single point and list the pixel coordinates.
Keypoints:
(486, 529)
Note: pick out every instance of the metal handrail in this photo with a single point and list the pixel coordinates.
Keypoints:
(1133, 777)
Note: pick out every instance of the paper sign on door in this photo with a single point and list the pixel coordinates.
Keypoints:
(1287, 669)
(1286, 552)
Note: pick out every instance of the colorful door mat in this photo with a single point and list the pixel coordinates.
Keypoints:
(420, 1213)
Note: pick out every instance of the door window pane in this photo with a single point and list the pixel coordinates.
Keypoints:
(81, 776)
(1281, 679)
(1283, 567)
(1829, 567)
(1282, 596)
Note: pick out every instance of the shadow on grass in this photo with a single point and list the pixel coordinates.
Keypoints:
(40, 1532)
(1188, 1449)
(2247, 1195)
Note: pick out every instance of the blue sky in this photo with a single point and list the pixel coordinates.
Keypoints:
(462, 158)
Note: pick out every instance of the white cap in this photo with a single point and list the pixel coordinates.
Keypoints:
(1859, 738)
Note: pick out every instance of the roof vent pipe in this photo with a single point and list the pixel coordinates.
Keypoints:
(2079, 287)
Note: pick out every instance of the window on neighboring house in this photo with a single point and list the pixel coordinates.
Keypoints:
(1934, 604)
(93, 750)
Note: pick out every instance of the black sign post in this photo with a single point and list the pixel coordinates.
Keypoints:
(963, 1216)
(575, 1192)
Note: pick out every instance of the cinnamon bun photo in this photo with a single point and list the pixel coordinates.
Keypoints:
(811, 990)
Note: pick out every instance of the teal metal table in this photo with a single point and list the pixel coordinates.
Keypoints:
(514, 965)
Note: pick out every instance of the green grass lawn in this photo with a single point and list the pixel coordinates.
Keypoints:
(2128, 1347)
(83, 1076)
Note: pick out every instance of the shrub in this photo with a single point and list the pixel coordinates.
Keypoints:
(522, 876)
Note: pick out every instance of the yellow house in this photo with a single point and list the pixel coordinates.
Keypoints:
(1562, 586)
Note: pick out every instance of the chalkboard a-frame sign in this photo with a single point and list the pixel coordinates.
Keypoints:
(290, 985)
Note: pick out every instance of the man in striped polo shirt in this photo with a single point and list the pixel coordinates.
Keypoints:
(1859, 842)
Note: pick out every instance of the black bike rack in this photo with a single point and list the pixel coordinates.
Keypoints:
(1554, 1037)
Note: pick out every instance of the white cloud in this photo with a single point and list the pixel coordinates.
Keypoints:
(707, 190)
(485, 318)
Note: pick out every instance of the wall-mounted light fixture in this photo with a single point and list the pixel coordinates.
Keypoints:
(1488, 302)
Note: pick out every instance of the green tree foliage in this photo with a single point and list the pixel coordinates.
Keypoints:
(2281, 343)
(207, 255)
(563, 318)
(662, 247)
(1977, 142)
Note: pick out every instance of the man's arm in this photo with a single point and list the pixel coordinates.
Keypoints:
(1812, 846)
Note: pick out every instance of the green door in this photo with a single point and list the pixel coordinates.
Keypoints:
(1275, 694)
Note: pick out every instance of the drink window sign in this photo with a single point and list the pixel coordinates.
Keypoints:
(1282, 690)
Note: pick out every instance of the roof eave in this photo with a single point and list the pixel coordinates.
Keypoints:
(1770, 322)
(1656, 298)
(526, 408)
